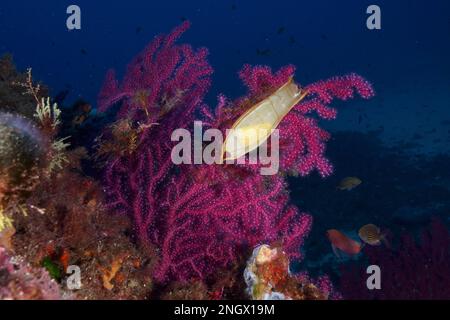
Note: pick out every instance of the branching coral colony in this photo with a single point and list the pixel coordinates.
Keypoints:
(165, 231)
(195, 226)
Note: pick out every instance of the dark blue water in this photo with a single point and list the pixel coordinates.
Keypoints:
(321, 38)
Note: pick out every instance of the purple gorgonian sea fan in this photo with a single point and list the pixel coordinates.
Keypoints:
(199, 218)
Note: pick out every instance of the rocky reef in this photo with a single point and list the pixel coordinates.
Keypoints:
(135, 224)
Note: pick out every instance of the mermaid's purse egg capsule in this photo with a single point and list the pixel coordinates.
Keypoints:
(255, 126)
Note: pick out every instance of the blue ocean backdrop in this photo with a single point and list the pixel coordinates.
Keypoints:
(397, 143)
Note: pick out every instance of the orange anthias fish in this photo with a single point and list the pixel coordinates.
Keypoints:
(343, 243)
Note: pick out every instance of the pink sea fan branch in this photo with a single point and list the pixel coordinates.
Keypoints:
(302, 140)
(196, 219)
(159, 73)
(204, 226)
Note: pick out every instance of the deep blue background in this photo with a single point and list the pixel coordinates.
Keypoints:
(407, 62)
(330, 38)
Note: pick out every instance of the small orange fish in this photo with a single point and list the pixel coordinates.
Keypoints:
(343, 243)
(349, 183)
